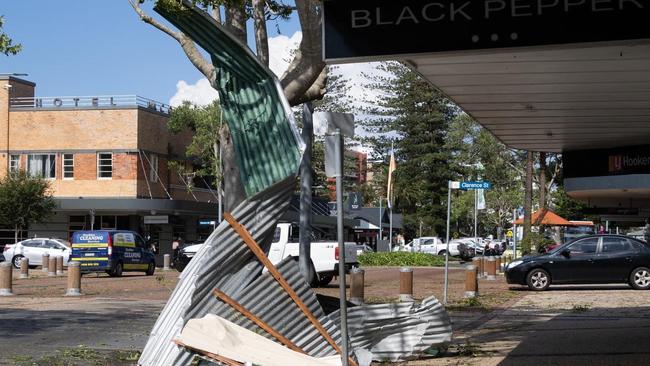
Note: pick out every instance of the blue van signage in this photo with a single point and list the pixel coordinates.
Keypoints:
(94, 237)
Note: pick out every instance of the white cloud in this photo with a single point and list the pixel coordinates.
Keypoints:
(200, 93)
(280, 52)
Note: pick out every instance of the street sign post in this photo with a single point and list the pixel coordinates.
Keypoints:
(475, 185)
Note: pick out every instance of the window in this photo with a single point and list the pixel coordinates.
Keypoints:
(33, 243)
(104, 165)
(68, 166)
(613, 245)
(153, 168)
(584, 247)
(42, 165)
(14, 163)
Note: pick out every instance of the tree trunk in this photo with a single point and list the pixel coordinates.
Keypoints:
(528, 194)
(261, 36)
(236, 21)
(232, 184)
(542, 180)
(306, 180)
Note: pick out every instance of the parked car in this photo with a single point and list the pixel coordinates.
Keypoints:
(466, 248)
(324, 254)
(185, 255)
(112, 251)
(591, 259)
(33, 249)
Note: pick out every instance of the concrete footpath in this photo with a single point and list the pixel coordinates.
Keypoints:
(578, 325)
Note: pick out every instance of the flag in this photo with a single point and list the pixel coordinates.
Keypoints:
(391, 168)
(480, 203)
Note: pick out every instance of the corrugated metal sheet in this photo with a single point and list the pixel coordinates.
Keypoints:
(267, 144)
(224, 262)
(268, 301)
(397, 331)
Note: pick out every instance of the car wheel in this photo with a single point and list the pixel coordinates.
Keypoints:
(442, 252)
(538, 279)
(16, 261)
(640, 278)
(116, 271)
(151, 269)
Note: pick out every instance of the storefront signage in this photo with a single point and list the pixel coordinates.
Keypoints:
(370, 28)
(603, 162)
(159, 219)
(356, 201)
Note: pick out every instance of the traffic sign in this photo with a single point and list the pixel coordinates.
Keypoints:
(475, 185)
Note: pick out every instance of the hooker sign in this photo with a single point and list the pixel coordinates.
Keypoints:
(370, 28)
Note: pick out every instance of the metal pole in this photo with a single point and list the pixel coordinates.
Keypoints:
(380, 225)
(390, 231)
(220, 190)
(476, 218)
(339, 224)
(514, 234)
(444, 301)
(306, 181)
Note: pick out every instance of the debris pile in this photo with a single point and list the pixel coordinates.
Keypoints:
(224, 308)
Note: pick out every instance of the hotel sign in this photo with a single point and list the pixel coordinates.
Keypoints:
(371, 28)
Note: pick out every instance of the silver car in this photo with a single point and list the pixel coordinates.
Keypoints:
(34, 248)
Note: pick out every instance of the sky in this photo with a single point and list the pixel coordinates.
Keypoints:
(93, 47)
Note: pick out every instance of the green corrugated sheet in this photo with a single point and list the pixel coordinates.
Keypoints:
(267, 145)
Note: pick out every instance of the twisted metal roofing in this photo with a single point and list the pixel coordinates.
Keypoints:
(397, 331)
(224, 262)
(267, 144)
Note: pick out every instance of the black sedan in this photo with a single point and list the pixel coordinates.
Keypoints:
(593, 259)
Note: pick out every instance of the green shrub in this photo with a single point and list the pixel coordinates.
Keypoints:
(402, 259)
(534, 241)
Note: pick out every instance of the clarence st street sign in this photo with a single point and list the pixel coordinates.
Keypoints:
(372, 28)
(475, 185)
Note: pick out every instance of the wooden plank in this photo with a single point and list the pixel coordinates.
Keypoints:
(224, 360)
(260, 323)
(252, 245)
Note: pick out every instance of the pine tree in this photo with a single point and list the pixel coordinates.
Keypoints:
(414, 117)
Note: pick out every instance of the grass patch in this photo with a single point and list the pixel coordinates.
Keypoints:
(580, 308)
(127, 355)
(469, 349)
(402, 259)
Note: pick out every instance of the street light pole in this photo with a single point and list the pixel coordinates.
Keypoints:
(341, 241)
(450, 186)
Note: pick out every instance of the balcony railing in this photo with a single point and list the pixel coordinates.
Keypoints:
(89, 102)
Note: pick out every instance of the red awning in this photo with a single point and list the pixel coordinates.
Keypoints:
(548, 217)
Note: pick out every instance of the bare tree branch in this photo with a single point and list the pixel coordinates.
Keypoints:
(261, 36)
(307, 64)
(317, 90)
(188, 46)
(149, 20)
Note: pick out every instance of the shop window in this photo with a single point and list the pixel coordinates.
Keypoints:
(76, 223)
(68, 166)
(104, 165)
(14, 163)
(42, 165)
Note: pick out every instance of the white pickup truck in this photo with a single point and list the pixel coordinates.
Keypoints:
(429, 244)
(324, 254)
